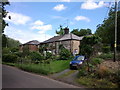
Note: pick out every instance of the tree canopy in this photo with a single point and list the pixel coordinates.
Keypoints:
(107, 30)
(81, 32)
(3, 14)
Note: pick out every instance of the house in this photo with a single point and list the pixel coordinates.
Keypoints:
(68, 40)
(31, 46)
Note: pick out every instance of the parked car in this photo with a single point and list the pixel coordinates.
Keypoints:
(77, 62)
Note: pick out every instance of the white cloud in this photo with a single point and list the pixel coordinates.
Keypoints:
(43, 28)
(90, 4)
(38, 22)
(24, 35)
(17, 18)
(59, 7)
(79, 18)
(39, 25)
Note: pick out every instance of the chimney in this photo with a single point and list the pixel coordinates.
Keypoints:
(66, 30)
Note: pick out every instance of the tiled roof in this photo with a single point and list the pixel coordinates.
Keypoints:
(69, 36)
(53, 39)
(33, 42)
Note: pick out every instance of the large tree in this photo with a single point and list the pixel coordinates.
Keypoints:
(81, 32)
(3, 14)
(3, 24)
(107, 30)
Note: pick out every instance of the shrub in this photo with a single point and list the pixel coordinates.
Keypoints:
(19, 54)
(65, 54)
(96, 61)
(35, 56)
(12, 58)
(82, 71)
(106, 49)
(5, 51)
(106, 56)
(15, 49)
(48, 55)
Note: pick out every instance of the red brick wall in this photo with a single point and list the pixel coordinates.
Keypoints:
(33, 47)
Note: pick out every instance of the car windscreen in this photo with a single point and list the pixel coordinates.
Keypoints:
(79, 58)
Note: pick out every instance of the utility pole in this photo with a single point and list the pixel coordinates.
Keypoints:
(115, 43)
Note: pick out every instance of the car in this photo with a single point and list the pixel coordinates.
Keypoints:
(77, 62)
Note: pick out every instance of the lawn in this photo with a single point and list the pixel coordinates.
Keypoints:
(44, 68)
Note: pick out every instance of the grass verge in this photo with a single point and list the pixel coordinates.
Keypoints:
(44, 68)
(96, 83)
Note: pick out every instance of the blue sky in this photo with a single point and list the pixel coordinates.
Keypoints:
(40, 20)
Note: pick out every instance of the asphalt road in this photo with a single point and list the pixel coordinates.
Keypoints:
(15, 78)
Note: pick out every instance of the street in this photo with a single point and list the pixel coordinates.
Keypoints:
(15, 78)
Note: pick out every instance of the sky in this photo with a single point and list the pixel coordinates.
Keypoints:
(40, 20)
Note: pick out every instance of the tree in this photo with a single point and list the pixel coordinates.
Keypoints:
(3, 24)
(87, 46)
(107, 30)
(82, 32)
(61, 31)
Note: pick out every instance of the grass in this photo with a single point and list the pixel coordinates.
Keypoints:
(44, 68)
(96, 83)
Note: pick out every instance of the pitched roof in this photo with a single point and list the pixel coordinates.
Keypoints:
(53, 39)
(33, 42)
(69, 36)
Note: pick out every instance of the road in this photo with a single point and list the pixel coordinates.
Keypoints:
(15, 78)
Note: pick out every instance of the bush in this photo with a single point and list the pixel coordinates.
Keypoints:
(106, 56)
(5, 51)
(96, 61)
(15, 49)
(65, 54)
(19, 54)
(106, 49)
(12, 58)
(48, 55)
(35, 56)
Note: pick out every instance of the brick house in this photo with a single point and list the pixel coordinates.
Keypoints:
(68, 40)
(31, 46)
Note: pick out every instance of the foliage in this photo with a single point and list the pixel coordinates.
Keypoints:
(61, 31)
(26, 50)
(11, 43)
(14, 49)
(65, 54)
(48, 55)
(106, 56)
(4, 40)
(106, 49)
(107, 29)
(44, 68)
(5, 50)
(86, 47)
(96, 83)
(82, 32)
(12, 58)
(35, 56)
(96, 61)
(3, 24)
